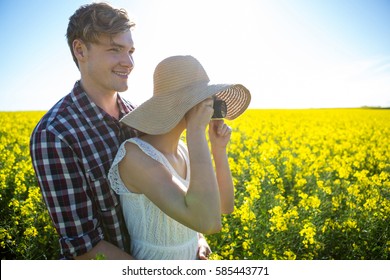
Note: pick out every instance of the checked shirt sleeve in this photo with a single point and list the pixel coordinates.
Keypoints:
(66, 193)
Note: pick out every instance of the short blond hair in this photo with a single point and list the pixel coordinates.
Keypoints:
(92, 20)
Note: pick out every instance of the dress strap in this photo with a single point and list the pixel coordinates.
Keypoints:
(114, 178)
(184, 151)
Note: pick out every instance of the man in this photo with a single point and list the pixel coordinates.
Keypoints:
(74, 144)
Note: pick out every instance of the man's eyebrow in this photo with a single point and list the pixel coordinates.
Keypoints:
(114, 44)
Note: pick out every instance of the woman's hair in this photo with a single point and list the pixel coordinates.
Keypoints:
(92, 20)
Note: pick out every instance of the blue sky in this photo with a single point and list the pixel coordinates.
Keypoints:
(289, 53)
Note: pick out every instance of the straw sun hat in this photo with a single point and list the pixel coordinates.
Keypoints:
(180, 82)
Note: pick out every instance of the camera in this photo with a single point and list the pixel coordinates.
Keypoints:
(220, 109)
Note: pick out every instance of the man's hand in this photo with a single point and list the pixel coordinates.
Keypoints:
(203, 248)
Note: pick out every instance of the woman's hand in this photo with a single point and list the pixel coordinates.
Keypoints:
(219, 134)
(199, 116)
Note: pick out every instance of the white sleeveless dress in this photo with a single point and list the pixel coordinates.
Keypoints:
(154, 235)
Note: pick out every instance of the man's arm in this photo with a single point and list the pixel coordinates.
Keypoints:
(68, 198)
(107, 250)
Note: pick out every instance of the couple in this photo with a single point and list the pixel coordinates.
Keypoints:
(108, 169)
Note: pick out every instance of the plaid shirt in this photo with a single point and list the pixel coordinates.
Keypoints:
(72, 149)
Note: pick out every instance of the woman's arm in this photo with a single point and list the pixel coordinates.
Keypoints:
(199, 206)
(219, 134)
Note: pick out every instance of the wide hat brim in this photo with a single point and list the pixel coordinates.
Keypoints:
(161, 113)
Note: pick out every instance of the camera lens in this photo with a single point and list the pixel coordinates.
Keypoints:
(220, 109)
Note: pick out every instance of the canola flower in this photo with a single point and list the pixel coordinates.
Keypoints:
(26, 231)
(310, 184)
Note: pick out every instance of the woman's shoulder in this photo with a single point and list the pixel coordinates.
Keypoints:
(141, 148)
(136, 165)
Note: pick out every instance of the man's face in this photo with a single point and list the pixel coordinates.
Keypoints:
(109, 63)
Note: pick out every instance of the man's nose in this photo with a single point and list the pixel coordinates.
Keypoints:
(128, 61)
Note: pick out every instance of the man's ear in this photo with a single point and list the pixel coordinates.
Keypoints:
(79, 49)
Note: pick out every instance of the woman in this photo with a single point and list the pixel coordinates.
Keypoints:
(170, 191)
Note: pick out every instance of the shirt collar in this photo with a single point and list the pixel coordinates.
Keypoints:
(92, 112)
(124, 106)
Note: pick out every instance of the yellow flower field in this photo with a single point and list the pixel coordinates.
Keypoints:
(26, 231)
(310, 184)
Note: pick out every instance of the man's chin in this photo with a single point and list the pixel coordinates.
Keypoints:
(122, 88)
